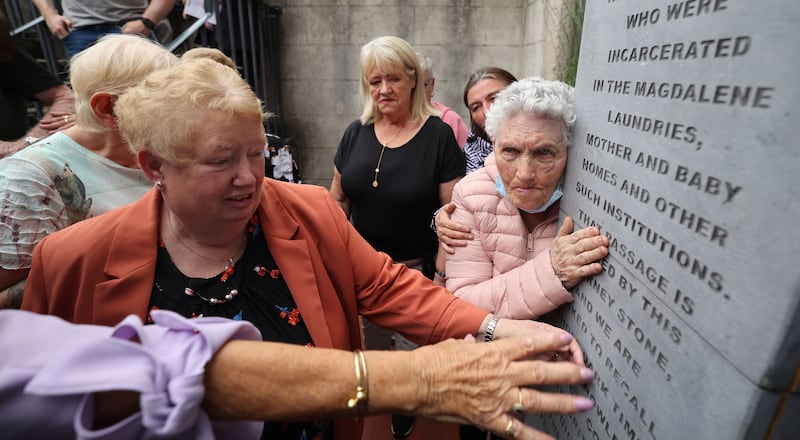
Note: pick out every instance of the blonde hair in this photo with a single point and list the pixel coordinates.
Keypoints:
(392, 54)
(161, 113)
(211, 54)
(112, 65)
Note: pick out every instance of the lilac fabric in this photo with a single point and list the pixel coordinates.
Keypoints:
(49, 368)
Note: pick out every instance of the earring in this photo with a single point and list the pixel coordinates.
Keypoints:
(159, 184)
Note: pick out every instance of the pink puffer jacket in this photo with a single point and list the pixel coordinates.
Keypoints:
(504, 268)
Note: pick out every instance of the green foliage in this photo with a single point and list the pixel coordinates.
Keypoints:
(574, 10)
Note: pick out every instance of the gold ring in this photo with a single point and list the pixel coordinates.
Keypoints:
(66, 119)
(510, 428)
(519, 407)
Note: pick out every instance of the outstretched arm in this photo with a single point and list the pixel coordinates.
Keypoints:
(454, 381)
(168, 371)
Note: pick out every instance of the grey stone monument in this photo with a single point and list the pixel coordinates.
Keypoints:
(686, 155)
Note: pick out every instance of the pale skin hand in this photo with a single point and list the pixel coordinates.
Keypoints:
(451, 234)
(480, 387)
(576, 255)
(135, 27)
(54, 121)
(62, 103)
(59, 25)
(509, 328)
(445, 195)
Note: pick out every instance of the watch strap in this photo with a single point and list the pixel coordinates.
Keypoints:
(147, 23)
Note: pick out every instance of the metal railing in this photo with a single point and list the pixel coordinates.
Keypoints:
(246, 30)
(24, 16)
(27, 25)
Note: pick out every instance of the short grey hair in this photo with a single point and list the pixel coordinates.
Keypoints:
(534, 96)
(427, 69)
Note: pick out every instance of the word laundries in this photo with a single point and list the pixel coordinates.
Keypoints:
(656, 127)
(713, 48)
(743, 96)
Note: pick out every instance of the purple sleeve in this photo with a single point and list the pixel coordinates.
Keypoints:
(49, 368)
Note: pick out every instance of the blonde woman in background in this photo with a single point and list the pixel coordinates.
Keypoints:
(394, 167)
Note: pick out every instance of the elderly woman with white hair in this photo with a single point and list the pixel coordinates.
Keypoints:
(518, 264)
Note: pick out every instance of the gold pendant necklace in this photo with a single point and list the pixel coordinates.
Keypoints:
(383, 149)
(378, 167)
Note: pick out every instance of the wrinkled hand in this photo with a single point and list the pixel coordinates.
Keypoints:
(570, 352)
(59, 26)
(61, 113)
(575, 255)
(449, 232)
(56, 121)
(479, 383)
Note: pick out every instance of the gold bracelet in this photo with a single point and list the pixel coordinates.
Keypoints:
(359, 402)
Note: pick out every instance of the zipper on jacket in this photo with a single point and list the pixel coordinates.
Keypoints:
(530, 244)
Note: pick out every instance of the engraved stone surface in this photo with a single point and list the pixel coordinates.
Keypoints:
(686, 155)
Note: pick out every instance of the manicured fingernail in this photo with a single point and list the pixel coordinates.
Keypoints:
(587, 374)
(582, 404)
(566, 338)
(469, 337)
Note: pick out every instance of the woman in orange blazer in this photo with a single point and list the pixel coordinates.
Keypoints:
(214, 238)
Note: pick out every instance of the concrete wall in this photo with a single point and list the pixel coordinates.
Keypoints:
(320, 43)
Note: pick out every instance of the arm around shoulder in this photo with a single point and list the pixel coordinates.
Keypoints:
(491, 270)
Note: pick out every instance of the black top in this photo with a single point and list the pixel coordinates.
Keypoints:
(263, 299)
(395, 217)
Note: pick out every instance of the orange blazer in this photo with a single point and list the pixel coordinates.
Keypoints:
(102, 269)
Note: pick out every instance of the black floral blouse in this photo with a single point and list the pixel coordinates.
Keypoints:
(253, 290)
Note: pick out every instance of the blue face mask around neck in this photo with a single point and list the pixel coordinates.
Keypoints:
(557, 193)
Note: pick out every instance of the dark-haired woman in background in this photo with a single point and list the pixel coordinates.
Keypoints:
(479, 93)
